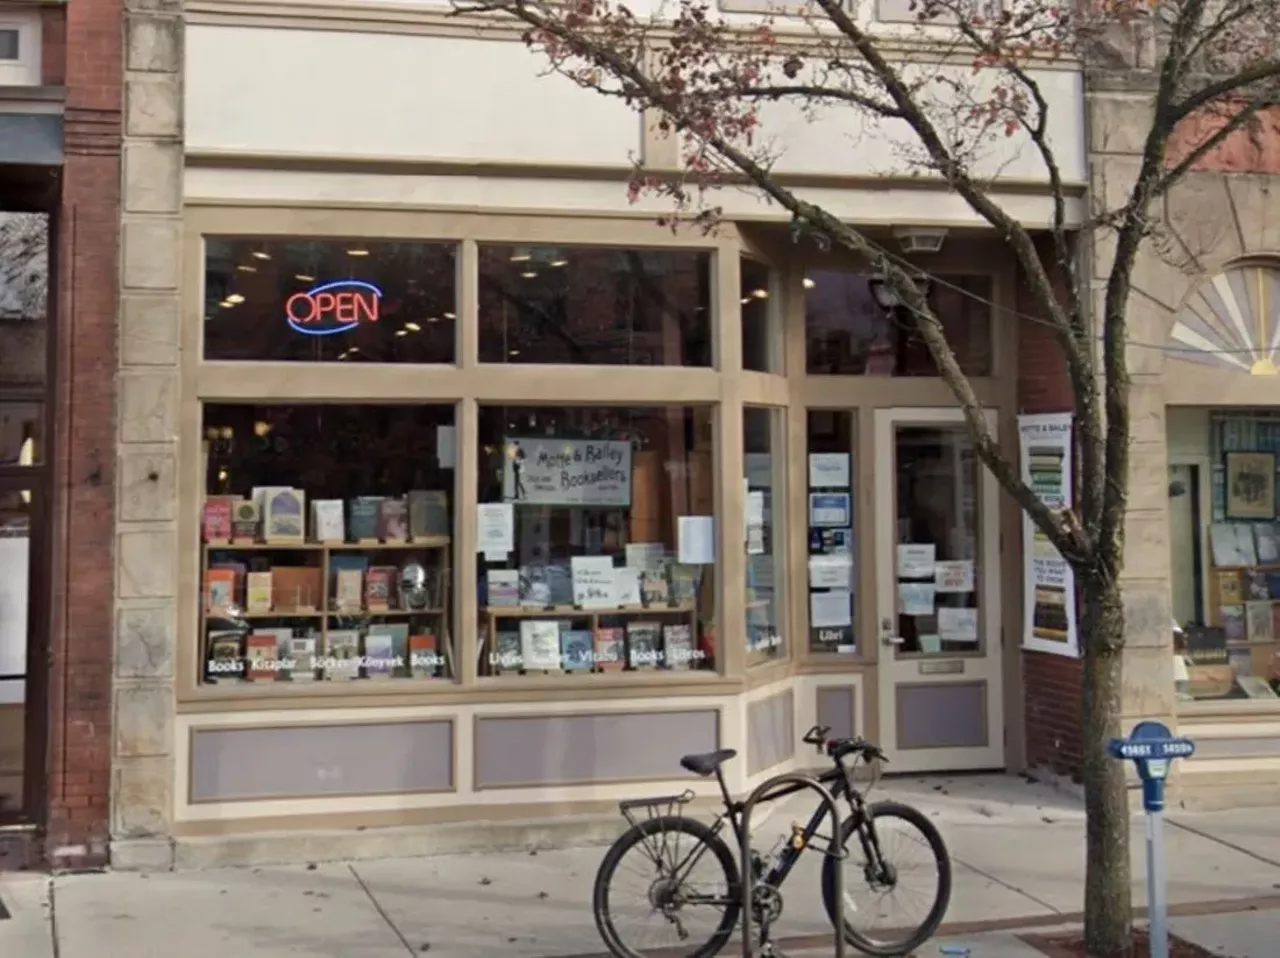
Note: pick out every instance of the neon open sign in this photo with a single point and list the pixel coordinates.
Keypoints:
(333, 307)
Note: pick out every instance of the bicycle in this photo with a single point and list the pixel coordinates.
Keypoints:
(673, 896)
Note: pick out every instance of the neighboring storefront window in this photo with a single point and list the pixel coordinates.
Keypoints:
(595, 306)
(762, 433)
(1225, 552)
(328, 536)
(855, 326)
(329, 300)
(596, 540)
(761, 326)
(831, 524)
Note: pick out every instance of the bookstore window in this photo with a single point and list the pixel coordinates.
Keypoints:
(329, 300)
(832, 583)
(1225, 552)
(595, 306)
(596, 540)
(327, 535)
(761, 326)
(856, 325)
(763, 445)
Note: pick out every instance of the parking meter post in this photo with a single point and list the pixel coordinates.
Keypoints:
(1152, 748)
(747, 873)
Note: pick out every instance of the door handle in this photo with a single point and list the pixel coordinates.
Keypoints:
(892, 640)
(886, 633)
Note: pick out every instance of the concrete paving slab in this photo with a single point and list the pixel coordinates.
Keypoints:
(1251, 934)
(26, 932)
(257, 913)
(1256, 831)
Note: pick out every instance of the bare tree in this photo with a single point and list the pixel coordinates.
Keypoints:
(24, 265)
(1210, 69)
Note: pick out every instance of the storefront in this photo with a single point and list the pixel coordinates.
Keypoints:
(1222, 423)
(486, 517)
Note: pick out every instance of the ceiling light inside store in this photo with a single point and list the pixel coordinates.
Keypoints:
(529, 274)
(434, 319)
(557, 263)
(521, 256)
(226, 304)
(450, 316)
(304, 278)
(745, 300)
(759, 294)
(413, 327)
(402, 332)
(261, 254)
(513, 352)
(222, 475)
(357, 252)
(808, 283)
(247, 269)
(235, 299)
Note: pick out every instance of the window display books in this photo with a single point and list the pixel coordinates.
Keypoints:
(677, 642)
(219, 589)
(424, 657)
(216, 521)
(327, 522)
(379, 654)
(1258, 621)
(1232, 544)
(379, 587)
(393, 520)
(363, 524)
(342, 655)
(284, 515)
(296, 588)
(577, 651)
(1267, 539)
(262, 653)
(348, 590)
(245, 519)
(644, 645)
(503, 586)
(609, 647)
(302, 653)
(225, 657)
(428, 513)
(258, 592)
(1233, 622)
(508, 656)
(540, 645)
(535, 590)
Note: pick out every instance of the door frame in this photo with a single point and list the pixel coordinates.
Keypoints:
(987, 665)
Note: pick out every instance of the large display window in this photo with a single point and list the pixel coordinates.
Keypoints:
(1224, 471)
(832, 603)
(327, 544)
(595, 540)
(763, 444)
(353, 301)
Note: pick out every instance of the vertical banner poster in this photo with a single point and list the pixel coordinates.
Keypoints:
(1049, 593)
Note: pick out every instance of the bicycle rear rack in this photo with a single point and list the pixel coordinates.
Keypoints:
(747, 872)
(663, 806)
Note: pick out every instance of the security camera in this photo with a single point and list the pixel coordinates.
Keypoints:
(920, 239)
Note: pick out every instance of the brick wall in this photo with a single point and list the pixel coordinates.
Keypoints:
(1051, 683)
(82, 585)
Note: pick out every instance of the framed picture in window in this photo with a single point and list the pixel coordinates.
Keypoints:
(1250, 485)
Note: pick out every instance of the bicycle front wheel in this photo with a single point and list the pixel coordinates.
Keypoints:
(668, 884)
(893, 906)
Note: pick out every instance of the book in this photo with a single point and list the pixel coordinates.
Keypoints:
(1206, 645)
(1255, 687)
(609, 647)
(1267, 539)
(302, 655)
(363, 519)
(1256, 585)
(225, 657)
(1232, 617)
(643, 645)
(540, 645)
(348, 590)
(677, 645)
(1230, 591)
(284, 515)
(654, 588)
(257, 592)
(1258, 621)
(535, 591)
(576, 650)
(1232, 544)
(379, 588)
(379, 654)
(428, 513)
(262, 656)
(245, 519)
(216, 520)
(342, 654)
(503, 587)
(296, 588)
(424, 658)
(506, 656)
(327, 524)
(219, 589)
(393, 520)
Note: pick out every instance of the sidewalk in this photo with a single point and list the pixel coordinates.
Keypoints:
(1018, 852)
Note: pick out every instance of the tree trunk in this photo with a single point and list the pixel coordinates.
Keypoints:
(1108, 905)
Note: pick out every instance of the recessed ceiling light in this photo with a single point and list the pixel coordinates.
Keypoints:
(529, 274)
(513, 352)
(745, 300)
(449, 316)
(354, 349)
(521, 256)
(435, 319)
(226, 304)
(412, 327)
(235, 299)
(760, 294)
(808, 283)
(247, 269)
(357, 252)
(261, 254)
(402, 332)
(559, 262)
(304, 278)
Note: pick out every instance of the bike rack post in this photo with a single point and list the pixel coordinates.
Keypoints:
(748, 877)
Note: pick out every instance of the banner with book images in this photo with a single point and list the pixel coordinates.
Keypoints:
(545, 471)
(1049, 592)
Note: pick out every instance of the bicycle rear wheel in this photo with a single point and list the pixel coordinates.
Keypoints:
(684, 890)
(904, 836)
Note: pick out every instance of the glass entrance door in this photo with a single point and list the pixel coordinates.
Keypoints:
(938, 595)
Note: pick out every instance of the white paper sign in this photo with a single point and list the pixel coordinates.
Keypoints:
(446, 446)
(916, 560)
(830, 610)
(828, 470)
(697, 540)
(1049, 592)
(495, 528)
(958, 625)
(830, 571)
(645, 555)
(953, 576)
(626, 585)
(593, 582)
(566, 472)
(915, 598)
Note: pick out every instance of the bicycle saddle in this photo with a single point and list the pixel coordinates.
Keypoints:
(706, 763)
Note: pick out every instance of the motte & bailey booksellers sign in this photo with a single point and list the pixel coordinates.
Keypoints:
(542, 470)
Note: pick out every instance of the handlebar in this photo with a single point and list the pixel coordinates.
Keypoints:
(837, 748)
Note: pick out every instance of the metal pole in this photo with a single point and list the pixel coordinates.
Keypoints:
(1157, 917)
(744, 853)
